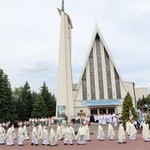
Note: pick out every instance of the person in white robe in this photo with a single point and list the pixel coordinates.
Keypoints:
(111, 133)
(103, 119)
(26, 134)
(121, 134)
(100, 118)
(132, 131)
(100, 133)
(145, 132)
(52, 138)
(10, 137)
(34, 136)
(109, 118)
(115, 119)
(40, 131)
(60, 131)
(87, 132)
(2, 135)
(127, 127)
(73, 133)
(81, 136)
(68, 135)
(13, 130)
(20, 135)
(45, 138)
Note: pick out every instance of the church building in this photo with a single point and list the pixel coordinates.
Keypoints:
(101, 88)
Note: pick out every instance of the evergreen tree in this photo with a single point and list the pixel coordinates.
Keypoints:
(24, 102)
(39, 108)
(34, 96)
(7, 107)
(49, 100)
(17, 96)
(128, 110)
(27, 101)
(144, 103)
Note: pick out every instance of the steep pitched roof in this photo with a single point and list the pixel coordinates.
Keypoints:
(95, 33)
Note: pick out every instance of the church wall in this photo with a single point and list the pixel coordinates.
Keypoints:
(113, 81)
(104, 72)
(96, 72)
(88, 82)
(130, 88)
(140, 92)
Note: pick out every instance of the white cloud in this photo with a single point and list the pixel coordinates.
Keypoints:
(29, 38)
(35, 67)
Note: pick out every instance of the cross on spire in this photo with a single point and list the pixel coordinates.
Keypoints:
(62, 6)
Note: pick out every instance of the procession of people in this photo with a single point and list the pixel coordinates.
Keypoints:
(49, 134)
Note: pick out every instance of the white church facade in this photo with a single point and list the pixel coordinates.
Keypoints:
(101, 88)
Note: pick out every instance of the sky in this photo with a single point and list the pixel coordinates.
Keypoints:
(29, 38)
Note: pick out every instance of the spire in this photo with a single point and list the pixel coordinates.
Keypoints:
(62, 6)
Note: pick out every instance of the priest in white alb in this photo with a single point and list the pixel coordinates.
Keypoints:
(26, 134)
(121, 134)
(87, 131)
(132, 131)
(60, 131)
(2, 135)
(68, 135)
(10, 137)
(145, 132)
(53, 139)
(34, 136)
(45, 136)
(81, 136)
(20, 135)
(100, 133)
(111, 133)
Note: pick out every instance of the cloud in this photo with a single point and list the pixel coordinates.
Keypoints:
(35, 67)
(29, 39)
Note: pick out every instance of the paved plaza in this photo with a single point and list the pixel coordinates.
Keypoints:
(94, 144)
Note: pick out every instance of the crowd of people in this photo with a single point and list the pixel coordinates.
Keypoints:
(47, 135)
(40, 132)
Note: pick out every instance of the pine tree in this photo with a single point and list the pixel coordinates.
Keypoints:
(39, 108)
(7, 106)
(128, 109)
(27, 101)
(23, 101)
(49, 100)
(18, 103)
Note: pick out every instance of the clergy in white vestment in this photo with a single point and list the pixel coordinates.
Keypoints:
(10, 137)
(115, 119)
(100, 118)
(68, 135)
(103, 119)
(2, 135)
(20, 135)
(128, 126)
(73, 133)
(111, 133)
(121, 134)
(81, 136)
(60, 131)
(40, 131)
(87, 132)
(53, 139)
(100, 133)
(26, 134)
(132, 131)
(45, 137)
(109, 118)
(13, 131)
(145, 132)
(34, 136)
